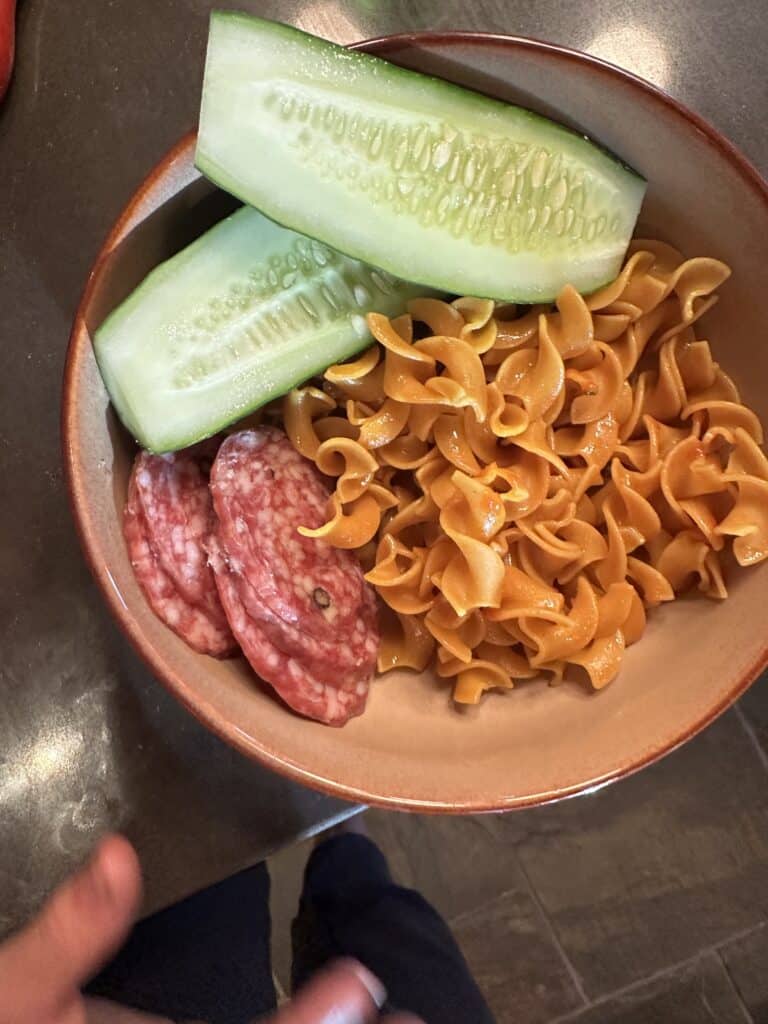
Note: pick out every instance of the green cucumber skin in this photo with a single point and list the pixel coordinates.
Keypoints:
(239, 317)
(252, 142)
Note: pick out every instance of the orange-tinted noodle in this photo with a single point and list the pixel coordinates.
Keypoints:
(523, 486)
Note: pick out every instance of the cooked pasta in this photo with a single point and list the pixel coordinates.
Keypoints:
(523, 485)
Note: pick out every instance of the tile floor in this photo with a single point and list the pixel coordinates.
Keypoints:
(645, 902)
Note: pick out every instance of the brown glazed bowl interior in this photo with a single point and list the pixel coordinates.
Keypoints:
(412, 748)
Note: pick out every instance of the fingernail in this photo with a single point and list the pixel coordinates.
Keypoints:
(375, 988)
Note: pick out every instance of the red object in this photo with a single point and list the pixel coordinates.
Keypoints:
(166, 523)
(7, 42)
(300, 609)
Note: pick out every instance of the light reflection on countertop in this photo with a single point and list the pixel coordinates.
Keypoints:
(41, 762)
(53, 753)
(340, 24)
(635, 47)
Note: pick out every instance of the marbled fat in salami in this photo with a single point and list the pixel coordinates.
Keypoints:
(292, 680)
(166, 522)
(296, 598)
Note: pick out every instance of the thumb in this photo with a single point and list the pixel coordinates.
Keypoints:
(78, 929)
(345, 993)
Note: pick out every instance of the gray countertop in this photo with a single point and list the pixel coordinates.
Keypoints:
(88, 740)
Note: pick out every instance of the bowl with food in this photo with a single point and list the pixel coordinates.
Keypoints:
(411, 417)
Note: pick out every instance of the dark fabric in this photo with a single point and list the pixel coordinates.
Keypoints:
(206, 958)
(351, 907)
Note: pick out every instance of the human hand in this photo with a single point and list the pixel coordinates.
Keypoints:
(78, 929)
(85, 922)
(344, 993)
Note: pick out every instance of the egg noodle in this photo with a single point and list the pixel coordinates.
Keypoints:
(521, 486)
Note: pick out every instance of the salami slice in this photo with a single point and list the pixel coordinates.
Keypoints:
(291, 679)
(306, 598)
(167, 520)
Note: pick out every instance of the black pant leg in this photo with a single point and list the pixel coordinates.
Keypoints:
(206, 958)
(351, 907)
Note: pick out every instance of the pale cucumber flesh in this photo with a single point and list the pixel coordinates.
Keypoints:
(430, 181)
(237, 318)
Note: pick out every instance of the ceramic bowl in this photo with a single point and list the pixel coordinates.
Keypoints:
(412, 748)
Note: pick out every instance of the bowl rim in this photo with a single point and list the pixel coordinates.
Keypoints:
(79, 341)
